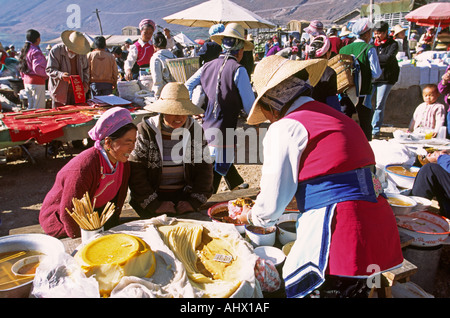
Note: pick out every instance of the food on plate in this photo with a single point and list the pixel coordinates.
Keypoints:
(113, 256)
(210, 261)
(402, 171)
(235, 207)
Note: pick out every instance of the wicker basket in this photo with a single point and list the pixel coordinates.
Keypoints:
(343, 66)
(183, 68)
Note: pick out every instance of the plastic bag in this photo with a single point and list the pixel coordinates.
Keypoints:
(127, 89)
(60, 276)
(267, 275)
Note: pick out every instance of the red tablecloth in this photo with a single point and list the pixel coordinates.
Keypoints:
(45, 128)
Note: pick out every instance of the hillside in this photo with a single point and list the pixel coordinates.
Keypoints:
(50, 17)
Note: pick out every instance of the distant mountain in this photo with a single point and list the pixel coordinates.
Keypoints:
(51, 17)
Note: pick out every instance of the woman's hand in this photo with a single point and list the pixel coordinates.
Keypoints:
(166, 207)
(243, 217)
(184, 207)
(128, 75)
(433, 157)
(446, 78)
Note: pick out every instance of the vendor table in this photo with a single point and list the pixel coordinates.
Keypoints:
(69, 128)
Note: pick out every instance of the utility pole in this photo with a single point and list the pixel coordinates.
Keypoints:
(99, 22)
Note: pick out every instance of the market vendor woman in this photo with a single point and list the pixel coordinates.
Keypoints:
(346, 230)
(171, 172)
(102, 171)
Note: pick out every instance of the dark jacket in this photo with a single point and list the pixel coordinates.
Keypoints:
(229, 99)
(146, 168)
(388, 62)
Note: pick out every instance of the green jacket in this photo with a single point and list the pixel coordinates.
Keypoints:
(356, 49)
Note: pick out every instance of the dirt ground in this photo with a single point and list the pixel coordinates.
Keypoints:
(24, 185)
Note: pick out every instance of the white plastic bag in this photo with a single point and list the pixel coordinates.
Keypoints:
(127, 89)
(60, 276)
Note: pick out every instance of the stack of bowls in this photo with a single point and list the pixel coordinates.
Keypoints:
(401, 204)
(423, 204)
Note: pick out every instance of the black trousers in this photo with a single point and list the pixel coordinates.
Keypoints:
(434, 181)
(232, 179)
(341, 287)
(364, 114)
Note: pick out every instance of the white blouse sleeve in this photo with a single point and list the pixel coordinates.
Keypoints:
(283, 145)
(131, 57)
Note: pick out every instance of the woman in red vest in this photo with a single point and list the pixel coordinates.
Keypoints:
(346, 231)
(141, 51)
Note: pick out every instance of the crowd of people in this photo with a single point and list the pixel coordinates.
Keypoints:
(346, 223)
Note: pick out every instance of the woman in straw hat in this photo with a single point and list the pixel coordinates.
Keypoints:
(66, 59)
(165, 179)
(402, 40)
(227, 86)
(321, 157)
(102, 171)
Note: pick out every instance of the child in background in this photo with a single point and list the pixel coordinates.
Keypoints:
(429, 115)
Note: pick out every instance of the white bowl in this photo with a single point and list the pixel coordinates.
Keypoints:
(259, 236)
(270, 253)
(427, 229)
(400, 180)
(286, 226)
(222, 207)
(17, 266)
(28, 242)
(401, 209)
(422, 203)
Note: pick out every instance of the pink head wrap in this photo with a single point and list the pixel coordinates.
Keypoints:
(315, 28)
(326, 45)
(111, 120)
(145, 22)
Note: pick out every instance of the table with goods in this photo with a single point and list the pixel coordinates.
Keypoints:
(203, 254)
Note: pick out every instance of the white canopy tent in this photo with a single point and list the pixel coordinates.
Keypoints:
(212, 12)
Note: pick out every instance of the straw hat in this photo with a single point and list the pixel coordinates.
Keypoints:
(345, 31)
(174, 100)
(76, 42)
(233, 30)
(398, 28)
(273, 70)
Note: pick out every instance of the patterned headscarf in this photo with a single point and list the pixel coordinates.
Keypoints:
(145, 23)
(283, 93)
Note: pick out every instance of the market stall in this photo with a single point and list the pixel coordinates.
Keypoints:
(66, 123)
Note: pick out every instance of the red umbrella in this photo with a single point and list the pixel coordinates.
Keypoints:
(199, 41)
(435, 14)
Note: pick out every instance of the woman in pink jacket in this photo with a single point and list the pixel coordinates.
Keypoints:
(32, 69)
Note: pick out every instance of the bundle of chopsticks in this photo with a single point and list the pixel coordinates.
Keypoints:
(83, 213)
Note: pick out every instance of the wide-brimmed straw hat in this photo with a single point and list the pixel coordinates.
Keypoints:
(345, 31)
(76, 42)
(273, 70)
(398, 28)
(174, 100)
(236, 31)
